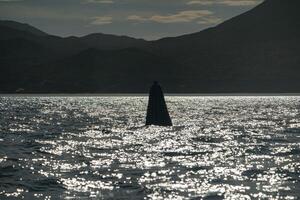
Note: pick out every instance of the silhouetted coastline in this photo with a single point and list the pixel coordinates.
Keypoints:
(255, 52)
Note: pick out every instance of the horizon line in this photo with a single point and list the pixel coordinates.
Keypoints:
(146, 94)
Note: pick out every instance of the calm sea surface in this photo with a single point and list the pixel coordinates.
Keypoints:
(99, 148)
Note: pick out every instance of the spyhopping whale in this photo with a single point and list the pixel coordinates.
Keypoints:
(157, 112)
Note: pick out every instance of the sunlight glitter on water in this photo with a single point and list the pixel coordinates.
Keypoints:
(98, 147)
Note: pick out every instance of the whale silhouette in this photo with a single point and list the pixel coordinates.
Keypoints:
(157, 112)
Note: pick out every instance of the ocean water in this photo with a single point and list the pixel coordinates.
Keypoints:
(99, 148)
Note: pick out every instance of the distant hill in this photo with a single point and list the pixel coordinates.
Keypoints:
(94, 70)
(22, 27)
(106, 41)
(257, 51)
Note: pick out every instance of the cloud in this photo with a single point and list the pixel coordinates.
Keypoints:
(101, 20)
(136, 18)
(225, 2)
(99, 1)
(184, 16)
(201, 16)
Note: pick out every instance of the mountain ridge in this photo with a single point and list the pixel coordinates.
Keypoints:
(253, 52)
(22, 27)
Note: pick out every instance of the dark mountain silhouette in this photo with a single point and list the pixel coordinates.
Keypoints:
(94, 70)
(109, 42)
(69, 45)
(7, 33)
(22, 27)
(254, 52)
(257, 51)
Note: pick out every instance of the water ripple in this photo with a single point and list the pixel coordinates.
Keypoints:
(99, 148)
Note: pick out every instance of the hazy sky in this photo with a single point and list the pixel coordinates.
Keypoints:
(149, 19)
